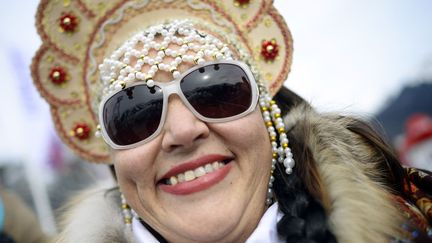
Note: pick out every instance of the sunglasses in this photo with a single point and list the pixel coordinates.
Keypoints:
(214, 92)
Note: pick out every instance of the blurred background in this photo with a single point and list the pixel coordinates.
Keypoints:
(368, 58)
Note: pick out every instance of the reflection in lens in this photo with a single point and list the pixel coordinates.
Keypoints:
(133, 114)
(218, 90)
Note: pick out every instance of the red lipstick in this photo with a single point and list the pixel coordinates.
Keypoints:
(200, 183)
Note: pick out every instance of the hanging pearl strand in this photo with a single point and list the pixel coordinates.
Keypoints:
(126, 211)
(279, 141)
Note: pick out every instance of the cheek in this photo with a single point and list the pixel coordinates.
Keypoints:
(134, 165)
(252, 132)
(248, 137)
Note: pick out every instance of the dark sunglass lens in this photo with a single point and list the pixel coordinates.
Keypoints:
(218, 90)
(133, 114)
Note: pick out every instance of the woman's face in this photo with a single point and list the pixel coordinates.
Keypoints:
(224, 204)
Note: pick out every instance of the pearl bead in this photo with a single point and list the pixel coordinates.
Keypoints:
(179, 41)
(219, 56)
(154, 68)
(117, 86)
(140, 75)
(289, 162)
(158, 59)
(150, 83)
(268, 201)
(162, 66)
(269, 192)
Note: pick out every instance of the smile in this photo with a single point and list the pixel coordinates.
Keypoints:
(196, 175)
(193, 174)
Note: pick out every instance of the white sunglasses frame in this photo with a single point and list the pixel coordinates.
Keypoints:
(173, 87)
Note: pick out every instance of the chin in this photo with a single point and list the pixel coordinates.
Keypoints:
(212, 219)
(207, 228)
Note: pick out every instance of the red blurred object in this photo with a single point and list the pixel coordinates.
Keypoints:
(68, 22)
(241, 2)
(418, 128)
(58, 75)
(269, 49)
(81, 131)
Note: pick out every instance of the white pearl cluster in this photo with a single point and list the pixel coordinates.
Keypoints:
(279, 140)
(194, 46)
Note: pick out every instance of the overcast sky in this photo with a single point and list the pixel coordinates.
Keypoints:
(355, 55)
(349, 56)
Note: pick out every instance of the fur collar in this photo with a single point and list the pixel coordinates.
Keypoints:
(94, 216)
(360, 208)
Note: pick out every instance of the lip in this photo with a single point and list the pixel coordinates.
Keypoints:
(200, 183)
(193, 164)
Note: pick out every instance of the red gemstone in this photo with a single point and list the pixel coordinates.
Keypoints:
(81, 131)
(242, 2)
(58, 75)
(68, 22)
(269, 49)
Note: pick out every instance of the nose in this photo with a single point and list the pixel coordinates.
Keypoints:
(182, 129)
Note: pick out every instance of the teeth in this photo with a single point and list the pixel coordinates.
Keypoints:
(181, 177)
(193, 174)
(189, 175)
(199, 171)
(208, 168)
(173, 180)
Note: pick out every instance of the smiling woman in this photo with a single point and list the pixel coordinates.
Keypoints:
(202, 138)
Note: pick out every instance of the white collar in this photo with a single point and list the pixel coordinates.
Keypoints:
(265, 231)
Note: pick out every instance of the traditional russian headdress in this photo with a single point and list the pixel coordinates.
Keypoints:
(78, 35)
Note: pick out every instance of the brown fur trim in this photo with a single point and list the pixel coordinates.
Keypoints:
(361, 207)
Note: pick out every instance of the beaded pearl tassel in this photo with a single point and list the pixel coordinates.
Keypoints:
(126, 211)
(276, 128)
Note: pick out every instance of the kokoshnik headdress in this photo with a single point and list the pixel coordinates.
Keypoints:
(79, 35)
